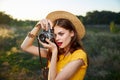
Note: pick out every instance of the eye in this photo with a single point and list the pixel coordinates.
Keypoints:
(61, 34)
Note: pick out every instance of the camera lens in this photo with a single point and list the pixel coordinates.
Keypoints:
(42, 37)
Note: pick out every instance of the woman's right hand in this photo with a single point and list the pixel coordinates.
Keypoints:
(27, 44)
(43, 24)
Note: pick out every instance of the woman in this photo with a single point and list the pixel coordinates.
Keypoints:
(67, 58)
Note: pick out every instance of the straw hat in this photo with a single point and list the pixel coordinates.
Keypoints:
(67, 15)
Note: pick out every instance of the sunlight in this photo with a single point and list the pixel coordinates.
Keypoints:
(38, 9)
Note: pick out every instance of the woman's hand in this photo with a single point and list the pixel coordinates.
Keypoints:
(50, 45)
(27, 44)
(43, 24)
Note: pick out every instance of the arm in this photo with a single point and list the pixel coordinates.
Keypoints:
(69, 70)
(28, 46)
(66, 73)
(53, 48)
(53, 63)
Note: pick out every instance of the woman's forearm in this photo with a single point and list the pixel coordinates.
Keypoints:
(30, 38)
(52, 69)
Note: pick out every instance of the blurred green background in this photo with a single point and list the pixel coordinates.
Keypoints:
(101, 42)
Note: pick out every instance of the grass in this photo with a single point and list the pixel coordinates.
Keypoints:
(101, 45)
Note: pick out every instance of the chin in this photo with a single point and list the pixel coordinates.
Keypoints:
(61, 46)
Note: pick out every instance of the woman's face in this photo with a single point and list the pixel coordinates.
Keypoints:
(62, 36)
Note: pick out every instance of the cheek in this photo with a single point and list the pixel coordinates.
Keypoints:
(66, 41)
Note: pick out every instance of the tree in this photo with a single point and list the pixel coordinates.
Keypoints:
(5, 19)
(103, 17)
(113, 28)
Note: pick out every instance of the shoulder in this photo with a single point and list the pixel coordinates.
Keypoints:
(79, 54)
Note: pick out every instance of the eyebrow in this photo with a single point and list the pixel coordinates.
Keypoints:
(60, 32)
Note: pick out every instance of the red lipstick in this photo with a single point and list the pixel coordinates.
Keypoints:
(59, 43)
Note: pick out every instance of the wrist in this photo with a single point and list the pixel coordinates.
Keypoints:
(38, 26)
(55, 52)
(30, 35)
(33, 33)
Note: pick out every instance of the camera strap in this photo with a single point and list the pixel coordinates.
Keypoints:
(44, 70)
(40, 59)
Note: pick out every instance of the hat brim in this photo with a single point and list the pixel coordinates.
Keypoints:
(67, 15)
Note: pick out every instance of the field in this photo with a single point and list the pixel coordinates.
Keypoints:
(102, 47)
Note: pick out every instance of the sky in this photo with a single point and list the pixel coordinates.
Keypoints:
(38, 9)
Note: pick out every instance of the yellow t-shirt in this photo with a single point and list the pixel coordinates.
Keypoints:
(78, 54)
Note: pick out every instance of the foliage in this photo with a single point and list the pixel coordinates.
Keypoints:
(101, 45)
(104, 55)
(15, 64)
(95, 17)
(113, 28)
(103, 17)
(7, 19)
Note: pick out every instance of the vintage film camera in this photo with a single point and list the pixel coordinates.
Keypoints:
(46, 34)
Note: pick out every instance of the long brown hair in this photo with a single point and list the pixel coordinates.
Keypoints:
(75, 42)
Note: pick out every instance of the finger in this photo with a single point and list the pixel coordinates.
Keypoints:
(43, 24)
(47, 25)
(51, 24)
(52, 46)
(44, 44)
(49, 42)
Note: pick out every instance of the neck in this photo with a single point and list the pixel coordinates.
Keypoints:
(66, 51)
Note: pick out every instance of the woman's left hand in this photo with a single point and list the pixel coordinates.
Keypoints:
(50, 45)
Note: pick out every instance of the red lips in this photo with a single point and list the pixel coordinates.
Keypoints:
(59, 43)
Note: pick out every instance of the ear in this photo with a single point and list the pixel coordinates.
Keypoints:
(72, 33)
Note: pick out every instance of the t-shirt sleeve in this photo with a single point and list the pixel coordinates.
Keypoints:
(79, 54)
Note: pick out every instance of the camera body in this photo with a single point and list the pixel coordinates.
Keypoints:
(46, 34)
